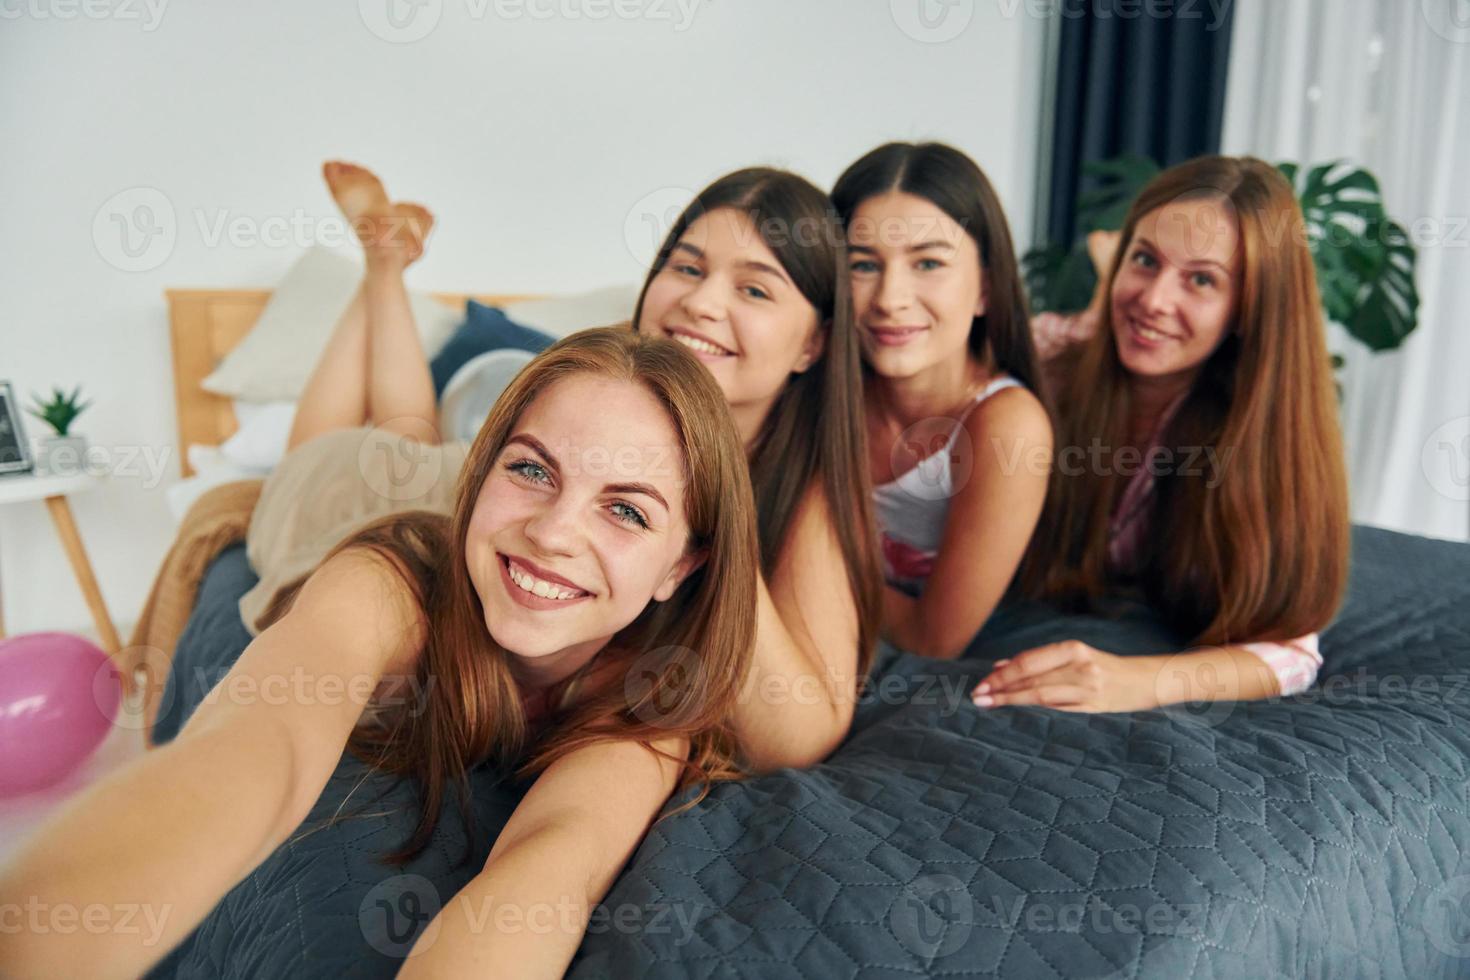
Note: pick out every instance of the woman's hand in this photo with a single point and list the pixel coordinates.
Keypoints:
(1071, 676)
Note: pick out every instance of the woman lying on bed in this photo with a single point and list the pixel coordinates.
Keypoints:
(586, 624)
(951, 388)
(752, 278)
(1199, 461)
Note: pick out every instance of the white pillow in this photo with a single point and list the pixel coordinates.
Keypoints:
(211, 469)
(562, 315)
(275, 359)
(260, 442)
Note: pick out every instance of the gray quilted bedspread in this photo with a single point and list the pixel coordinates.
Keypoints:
(1320, 835)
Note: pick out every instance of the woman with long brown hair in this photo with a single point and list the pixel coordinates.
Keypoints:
(1199, 461)
(584, 614)
(951, 388)
(752, 277)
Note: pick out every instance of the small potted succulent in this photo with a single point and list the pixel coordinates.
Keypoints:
(63, 452)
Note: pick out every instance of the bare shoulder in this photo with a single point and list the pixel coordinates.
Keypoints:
(1012, 413)
(358, 601)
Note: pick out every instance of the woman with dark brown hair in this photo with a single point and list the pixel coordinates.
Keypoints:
(1199, 460)
(954, 418)
(752, 278)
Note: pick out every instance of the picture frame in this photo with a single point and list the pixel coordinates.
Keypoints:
(15, 448)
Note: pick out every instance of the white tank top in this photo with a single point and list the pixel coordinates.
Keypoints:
(911, 509)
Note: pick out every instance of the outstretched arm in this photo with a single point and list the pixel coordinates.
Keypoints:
(524, 915)
(1076, 677)
(176, 830)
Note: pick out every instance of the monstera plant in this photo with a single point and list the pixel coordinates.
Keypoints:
(1364, 259)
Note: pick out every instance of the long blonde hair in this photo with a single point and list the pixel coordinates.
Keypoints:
(691, 651)
(1263, 555)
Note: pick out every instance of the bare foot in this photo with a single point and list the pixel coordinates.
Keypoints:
(357, 190)
(1101, 246)
(395, 232)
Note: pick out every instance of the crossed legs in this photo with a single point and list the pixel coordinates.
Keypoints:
(373, 370)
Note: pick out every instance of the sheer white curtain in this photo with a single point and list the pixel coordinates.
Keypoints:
(1385, 84)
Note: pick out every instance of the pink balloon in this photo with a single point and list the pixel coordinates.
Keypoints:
(59, 695)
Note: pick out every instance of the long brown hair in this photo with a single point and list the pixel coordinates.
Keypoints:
(814, 429)
(1263, 555)
(690, 652)
(955, 184)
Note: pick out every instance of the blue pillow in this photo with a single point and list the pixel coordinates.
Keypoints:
(485, 328)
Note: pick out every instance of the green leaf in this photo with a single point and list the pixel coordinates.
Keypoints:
(1386, 308)
(1365, 262)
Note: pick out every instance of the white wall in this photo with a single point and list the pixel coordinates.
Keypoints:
(536, 129)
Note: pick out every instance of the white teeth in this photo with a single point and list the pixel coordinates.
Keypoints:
(1151, 333)
(699, 345)
(540, 587)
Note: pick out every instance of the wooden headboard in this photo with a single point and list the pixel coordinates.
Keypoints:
(204, 326)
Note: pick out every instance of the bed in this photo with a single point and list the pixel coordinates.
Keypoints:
(1319, 835)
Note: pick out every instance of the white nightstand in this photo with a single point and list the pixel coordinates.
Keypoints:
(54, 490)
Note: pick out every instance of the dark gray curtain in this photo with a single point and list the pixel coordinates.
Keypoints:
(1134, 76)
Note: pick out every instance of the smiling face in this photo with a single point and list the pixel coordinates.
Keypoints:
(1174, 298)
(917, 285)
(579, 523)
(724, 294)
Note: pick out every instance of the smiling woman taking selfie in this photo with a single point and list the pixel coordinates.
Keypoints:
(1218, 493)
(521, 615)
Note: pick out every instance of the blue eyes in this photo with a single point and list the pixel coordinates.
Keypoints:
(1200, 280)
(754, 292)
(534, 472)
(629, 514)
(923, 265)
